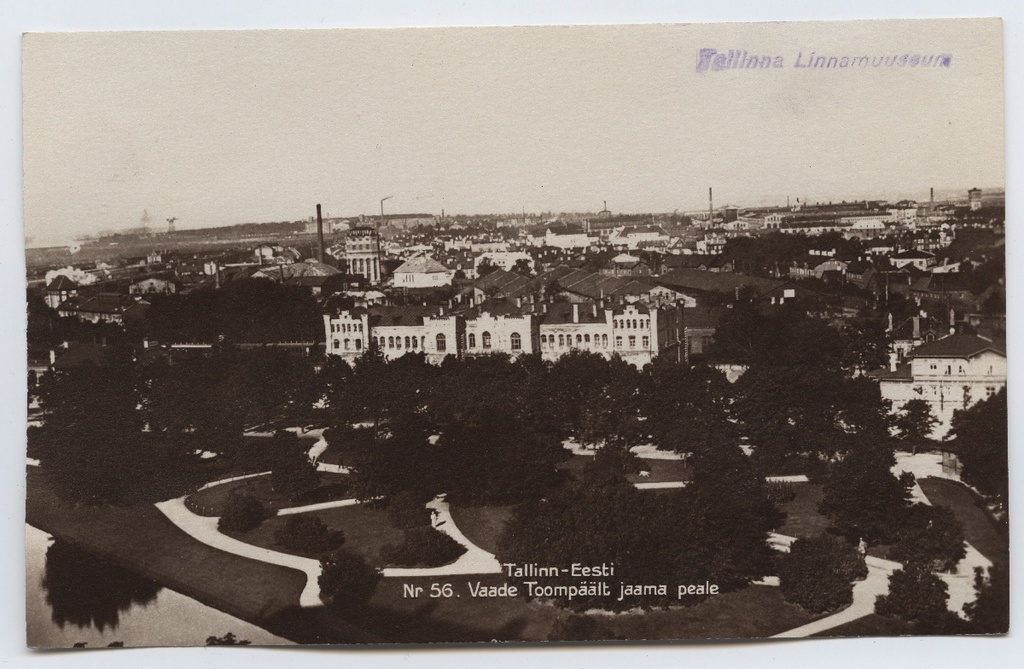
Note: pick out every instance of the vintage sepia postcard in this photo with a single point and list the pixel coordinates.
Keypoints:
(518, 334)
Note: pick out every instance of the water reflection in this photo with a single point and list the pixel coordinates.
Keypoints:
(87, 591)
(73, 599)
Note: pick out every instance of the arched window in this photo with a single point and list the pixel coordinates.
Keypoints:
(632, 341)
(398, 342)
(359, 344)
(346, 344)
(517, 342)
(472, 340)
(543, 340)
(407, 342)
(391, 342)
(561, 341)
(586, 339)
(579, 339)
(604, 341)
(442, 344)
(486, 339)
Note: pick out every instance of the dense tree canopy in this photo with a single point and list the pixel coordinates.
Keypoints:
(981, 435)
(864, 499)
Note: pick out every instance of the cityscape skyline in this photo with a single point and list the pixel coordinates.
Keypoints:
(219, 128)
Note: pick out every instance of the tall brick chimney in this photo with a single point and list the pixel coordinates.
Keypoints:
(319, 235)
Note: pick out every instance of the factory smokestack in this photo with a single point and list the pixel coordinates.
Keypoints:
(931, 198)
(711, 208)
(319, 235)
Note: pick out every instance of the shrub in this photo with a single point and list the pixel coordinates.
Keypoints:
(818, 573)
(346, 579)
(930, 535)
(422, 547)
(242, 514)
(918, 596)
(308, 534)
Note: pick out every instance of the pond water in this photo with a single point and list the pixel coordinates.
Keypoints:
(74, 597)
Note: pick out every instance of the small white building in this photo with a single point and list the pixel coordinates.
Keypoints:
(422, 272)
(922, 260)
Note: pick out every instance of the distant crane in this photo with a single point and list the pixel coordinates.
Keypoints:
(170, 224)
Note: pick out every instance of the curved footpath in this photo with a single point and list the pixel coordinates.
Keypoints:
(474, 561)
(204, 529)
(478, 561)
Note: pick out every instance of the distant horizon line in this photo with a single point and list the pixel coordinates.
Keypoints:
(764, 203)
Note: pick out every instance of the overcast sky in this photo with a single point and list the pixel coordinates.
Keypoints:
(217, 128)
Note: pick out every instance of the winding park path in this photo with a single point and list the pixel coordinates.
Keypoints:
(478, 561)
(204, 529)
(474, 561)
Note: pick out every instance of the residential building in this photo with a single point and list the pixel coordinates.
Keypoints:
(59, 290)
(951, 373)
(422, 272)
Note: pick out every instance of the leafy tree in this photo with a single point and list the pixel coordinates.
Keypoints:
(242, 514)
(726, 508)
(685, 407)
(918, 596)
(915, 422)
(485, 267)
(818, 573)
(292, 472)
(91, 444)
(718, 527)
(981, 434)
(862, 496)
(346, 580)
(522, 267)
(422, 547)
(930, 535)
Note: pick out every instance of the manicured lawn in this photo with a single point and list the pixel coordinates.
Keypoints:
(802, 516)
(366, 531)
(979, 530)
(142, 539)
(212, 501)
(482, 525)
(661, 471)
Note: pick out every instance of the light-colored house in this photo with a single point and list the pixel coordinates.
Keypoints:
(950, 373)
(422, 272)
